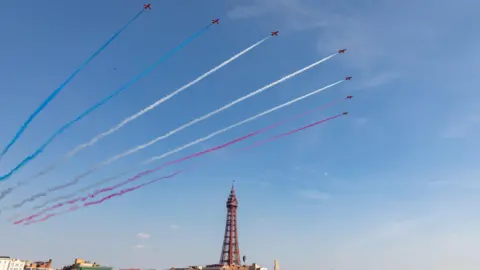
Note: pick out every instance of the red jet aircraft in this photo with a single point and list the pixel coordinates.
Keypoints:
(348, 78)
(345, 113)
(349, 97)
(215, 21)
(342, 51)
(275, 33)
(146, 6)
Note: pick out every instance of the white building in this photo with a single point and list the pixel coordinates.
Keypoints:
(7, 263)
(4, 262)
(16, 264)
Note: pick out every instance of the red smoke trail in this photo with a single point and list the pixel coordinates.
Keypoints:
(120, 193)
(177, 161)
(257, 144)
(127, 190)
(136, 177)
(73, 208)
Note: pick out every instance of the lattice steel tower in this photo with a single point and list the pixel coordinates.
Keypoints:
(230, 251)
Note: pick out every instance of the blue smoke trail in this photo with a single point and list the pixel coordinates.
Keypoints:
(96, 106)
(60, 88)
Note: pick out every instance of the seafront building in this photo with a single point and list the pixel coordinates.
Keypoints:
(38, 265)
(7, 263)
(80, 264)
(4, 261)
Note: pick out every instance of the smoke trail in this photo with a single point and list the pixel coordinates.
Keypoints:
(131, 118)
(151, 107)
(60, 88)
(290, 132)
(30, 221)
(251, 119)
(45, 193)
(168, 134)
(45, 171)
(214, 134)
(6, 192)
(132, 189)
(136, 177)
(160, 101)
(99, 104)
(30, 199)
(127, 190)
(228, 128)
(71, 202)
(139, 175)
(50, 201)
(94, 185)
(181, 171)
(71, 209)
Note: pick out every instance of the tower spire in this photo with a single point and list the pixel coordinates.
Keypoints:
(230, 251)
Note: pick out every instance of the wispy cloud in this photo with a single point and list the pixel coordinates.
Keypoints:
(394, 229)
(294, 14)
(307, 172)
(174, 227)
(139, 246)
(385, 39)
(312, 194)
(361, 121)
(388, 231)
(264, 184)
(143, 235)
(462, 127)
(467, 184)
(379, 79)
(246, 12)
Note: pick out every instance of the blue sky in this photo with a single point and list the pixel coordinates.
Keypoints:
(393, 186)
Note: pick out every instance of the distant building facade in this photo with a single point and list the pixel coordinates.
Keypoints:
(16, 264)
(4, 262)
(80, 264)
(39, 265)
(7, 263)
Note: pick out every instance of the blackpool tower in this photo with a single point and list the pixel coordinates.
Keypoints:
(230, 252)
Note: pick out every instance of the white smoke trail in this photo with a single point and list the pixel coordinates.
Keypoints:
(288, 103)
(191, 144)
(168, 134)
(241, 123)
(160, 101)
(140, 113)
